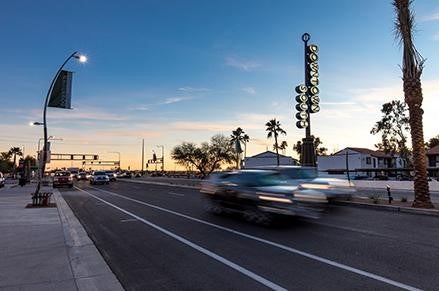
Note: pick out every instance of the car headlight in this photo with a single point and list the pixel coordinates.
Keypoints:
(311, 197)
(314, 186)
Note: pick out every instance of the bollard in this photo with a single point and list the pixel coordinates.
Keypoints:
(389, 194)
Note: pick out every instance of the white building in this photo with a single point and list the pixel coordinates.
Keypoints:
(361, 161)
(268, 158)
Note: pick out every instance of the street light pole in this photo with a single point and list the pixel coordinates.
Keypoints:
(46, 102)
(118, 153)
(163, 156)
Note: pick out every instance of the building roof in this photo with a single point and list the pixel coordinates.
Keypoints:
(268, 154)
(366, 151)
(433, 151)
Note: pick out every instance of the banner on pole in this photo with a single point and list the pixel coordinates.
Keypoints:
(61, 95)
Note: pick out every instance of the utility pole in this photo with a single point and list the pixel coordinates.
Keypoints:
(143, 153)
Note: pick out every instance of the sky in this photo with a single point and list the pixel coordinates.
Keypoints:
(174, 71)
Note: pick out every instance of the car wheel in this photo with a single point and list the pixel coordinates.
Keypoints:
(258, 217)
(214, 207)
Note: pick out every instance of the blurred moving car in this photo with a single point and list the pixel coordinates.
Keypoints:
(2, 180)
(111, 175)
(334, 189)
(82, 176)
(99, 177)
(62, 178)
(307, 181)
(260, 196)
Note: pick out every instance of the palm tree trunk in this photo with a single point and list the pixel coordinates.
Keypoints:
(14, 168)
(277, 150)
(422, 195)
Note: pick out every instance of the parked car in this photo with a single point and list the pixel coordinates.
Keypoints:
(111, 175)
(62, 178)
(82, 176)
(2, 180)
(99, 177)
(260, 196)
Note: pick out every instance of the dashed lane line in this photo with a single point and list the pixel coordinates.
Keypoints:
(199, 248)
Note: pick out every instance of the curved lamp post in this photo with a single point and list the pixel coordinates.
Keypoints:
(82, 59)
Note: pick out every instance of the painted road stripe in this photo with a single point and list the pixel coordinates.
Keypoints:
(284, 247)
(199, 248)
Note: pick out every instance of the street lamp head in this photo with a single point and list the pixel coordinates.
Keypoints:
(36, 123)
(81, 58)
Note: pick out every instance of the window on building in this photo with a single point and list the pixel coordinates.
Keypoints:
(368, 161)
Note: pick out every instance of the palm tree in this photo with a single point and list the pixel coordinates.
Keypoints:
(412, 65)
(283, 146)
(274, 129)
(15, 151)
(236, 138)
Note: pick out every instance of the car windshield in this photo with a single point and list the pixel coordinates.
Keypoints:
(299, 173)
(258, 179)
(99, 173)
(62, 174)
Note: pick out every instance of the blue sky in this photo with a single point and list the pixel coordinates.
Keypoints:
(172, 71)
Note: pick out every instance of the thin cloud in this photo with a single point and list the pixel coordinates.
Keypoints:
(85, 114)
(244, 65)
(189, 89)
(435, 36)
(431, 17)
(249, 90)
(139, 108)
(172, 100)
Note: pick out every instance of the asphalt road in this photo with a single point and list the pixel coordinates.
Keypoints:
(157, 237)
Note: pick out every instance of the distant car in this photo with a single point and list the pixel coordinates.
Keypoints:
(2, 180)
(62, 178)
(82, 176)
(124, 175)
(74, 174)
(111, 175)
(260, 196)
(99, 177)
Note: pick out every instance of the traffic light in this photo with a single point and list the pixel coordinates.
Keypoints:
(313, 78)
(302, 106)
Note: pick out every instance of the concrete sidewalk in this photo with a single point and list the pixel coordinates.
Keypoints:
(47, 248)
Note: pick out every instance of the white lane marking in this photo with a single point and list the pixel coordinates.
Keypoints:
(175, 193)
(161, 184)
(199, 248)
(128, 220)
(284, 247)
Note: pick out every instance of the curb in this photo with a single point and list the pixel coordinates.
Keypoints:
(429, 212)
(90, 271)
